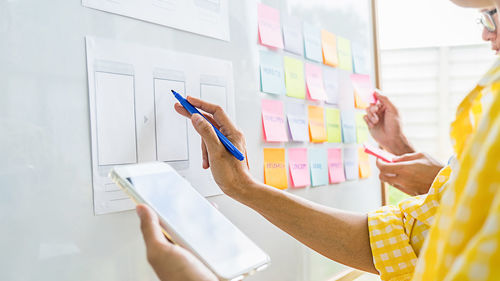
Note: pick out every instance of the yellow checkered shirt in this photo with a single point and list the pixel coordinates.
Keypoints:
(398, 234)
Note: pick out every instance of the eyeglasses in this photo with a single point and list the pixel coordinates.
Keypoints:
(487, 20)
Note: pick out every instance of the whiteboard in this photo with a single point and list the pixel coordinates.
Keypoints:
(50, 231)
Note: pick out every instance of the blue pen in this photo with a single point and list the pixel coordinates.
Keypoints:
(227, 143)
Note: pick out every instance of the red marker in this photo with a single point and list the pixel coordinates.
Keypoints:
(379, 153)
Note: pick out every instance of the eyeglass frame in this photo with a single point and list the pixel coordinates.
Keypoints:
(489, 15)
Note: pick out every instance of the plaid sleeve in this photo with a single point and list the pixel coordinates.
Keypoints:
(393, 255)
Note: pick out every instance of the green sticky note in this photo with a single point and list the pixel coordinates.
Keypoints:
(362, 133)
(333, 127)
(294, 78)
(344, 53)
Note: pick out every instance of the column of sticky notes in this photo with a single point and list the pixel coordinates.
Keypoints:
(315, 86)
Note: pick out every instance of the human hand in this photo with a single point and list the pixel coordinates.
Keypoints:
(169, 261)
(385, 127)
(411, 173)
(229, 173)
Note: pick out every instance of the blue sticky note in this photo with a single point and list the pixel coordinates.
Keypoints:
(360, 58)
(312, 42)
(351, 163)
(331, 81)
(318, 164)
(272, 74)
(348, 126)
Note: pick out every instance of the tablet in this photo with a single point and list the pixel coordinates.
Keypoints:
(190, 220)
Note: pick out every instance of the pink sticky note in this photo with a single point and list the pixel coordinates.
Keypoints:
(269, 27)
(299, 167)
(273, 121)
(335, 165)
(314, 83)
(363, 90)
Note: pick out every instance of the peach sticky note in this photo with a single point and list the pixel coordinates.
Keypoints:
(345, 53)
(314, 83)
(317, 130)
(269, 27)
(363, 90)
(364, 164)
(329, 47)
(335, 165)
(299, 168)
(273, 121)
(274, 167)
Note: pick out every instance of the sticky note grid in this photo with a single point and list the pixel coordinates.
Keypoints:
(314, 88)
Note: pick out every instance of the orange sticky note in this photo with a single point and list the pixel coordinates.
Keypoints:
(317, 129)
(364, 164)
(274, 167)
(363, 90)
(329, 47)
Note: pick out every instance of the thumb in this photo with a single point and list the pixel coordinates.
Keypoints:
(150, 227)
(407, 157)
(206, 131)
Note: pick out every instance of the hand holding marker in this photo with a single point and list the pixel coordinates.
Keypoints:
(227, 143)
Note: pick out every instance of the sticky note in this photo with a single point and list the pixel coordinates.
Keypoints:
(272, 74)
(274, 167)
(344, 53)
(269, 26)
(333, 125)
(360, 58)
(314, 82)
(362, 132)
(335, 165)
(346, 91)
(299, 167)
(351, 163)
(364, 164)
(331, 80)
(348, 126)
(317, 131)
(318, 165)
(294, 78)
(273, 121)
(363, 90)
(297, 122)
(292, 35)
(329, 48)
(312, 42)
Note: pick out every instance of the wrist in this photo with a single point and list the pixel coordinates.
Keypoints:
(399, 146)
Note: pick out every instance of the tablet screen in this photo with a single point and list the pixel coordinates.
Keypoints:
(199, 224)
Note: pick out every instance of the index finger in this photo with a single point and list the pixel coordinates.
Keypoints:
(389, 168)
(217, 112)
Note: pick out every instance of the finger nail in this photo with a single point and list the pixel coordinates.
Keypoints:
(196, 118)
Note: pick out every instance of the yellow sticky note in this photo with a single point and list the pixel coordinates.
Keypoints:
(294, 78)
(333, 127)
(317, 131)
(274, 167)
(329, 47)
(362, 132)
(345, 53)
(364, 164)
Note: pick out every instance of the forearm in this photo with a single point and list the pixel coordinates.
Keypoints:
(338, 235)
(399, 146)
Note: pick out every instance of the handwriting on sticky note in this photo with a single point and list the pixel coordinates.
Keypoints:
(314, 82)
(273, 121)
(312, 42)
(348, 126)
(344, 53)
(294, 78)
(329, 47)
(333, 125)
(318, 166)
(269, 26)
(362, 132)
(331, 78)
(351, 163)
(335, 165)
(317, 131)
(299, 168)
(363, 90)
(274, 167)
(364, 164)
(292, 35)
(272, 75)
